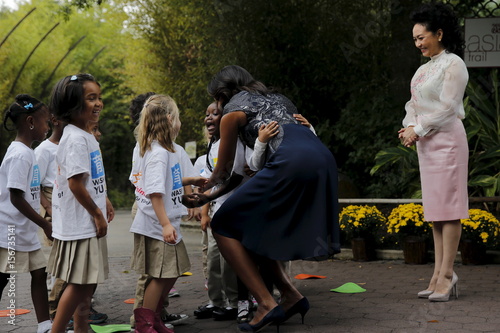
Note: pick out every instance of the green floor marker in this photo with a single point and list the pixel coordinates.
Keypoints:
(111, 328)
(349, 288)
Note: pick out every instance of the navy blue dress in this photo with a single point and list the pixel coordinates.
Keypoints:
(289, 209)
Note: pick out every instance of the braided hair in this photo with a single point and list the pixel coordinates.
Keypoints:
(24, 105)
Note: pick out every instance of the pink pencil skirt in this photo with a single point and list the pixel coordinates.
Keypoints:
(443, 159)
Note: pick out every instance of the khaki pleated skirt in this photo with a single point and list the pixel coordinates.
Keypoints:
(83, 261)
(23, 262)
(159, 259)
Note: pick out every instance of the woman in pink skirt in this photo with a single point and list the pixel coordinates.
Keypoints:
(434, 123)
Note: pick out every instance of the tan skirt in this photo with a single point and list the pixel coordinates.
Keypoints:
(159, 259)
(83, 261)
(21, 262)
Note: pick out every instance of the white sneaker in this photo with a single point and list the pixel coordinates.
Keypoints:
(243, 312)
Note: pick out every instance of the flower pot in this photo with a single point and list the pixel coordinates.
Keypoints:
(415, 250)
(363, 249)
(472, 253)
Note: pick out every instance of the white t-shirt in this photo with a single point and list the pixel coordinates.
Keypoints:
(78, 153)
(238, 167)
(19, 170)
(200, 164)
(159, 171)
(46, 157)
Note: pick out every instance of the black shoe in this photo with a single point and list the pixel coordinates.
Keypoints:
(225, 314)
(205, 311)
(275, 316)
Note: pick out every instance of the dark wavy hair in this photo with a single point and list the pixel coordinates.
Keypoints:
(435, 16)
(231, 80)
(67, 98)
(136, 106)
(24, 105)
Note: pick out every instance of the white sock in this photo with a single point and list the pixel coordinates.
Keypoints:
(44, 326)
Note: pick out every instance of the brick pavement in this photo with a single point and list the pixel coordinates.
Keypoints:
(389, 304)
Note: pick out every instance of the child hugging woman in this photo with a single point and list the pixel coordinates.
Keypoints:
(80, 211)
(159, 174)
(20, 249)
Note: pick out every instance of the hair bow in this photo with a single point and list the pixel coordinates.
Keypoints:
(28, 106)
(74, 78)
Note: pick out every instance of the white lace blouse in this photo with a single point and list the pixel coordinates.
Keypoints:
(437, 92)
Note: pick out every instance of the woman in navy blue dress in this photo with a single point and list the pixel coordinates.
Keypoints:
(287, 211)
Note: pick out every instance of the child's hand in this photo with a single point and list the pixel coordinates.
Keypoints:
(110, 211)
(249, 172)
(300, 118)
(48, 231)
(101, 225)
(199, 181)
(205, 223)
(169, 234)
(266, 132)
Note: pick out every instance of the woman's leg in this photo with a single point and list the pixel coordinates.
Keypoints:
(451, 231)
(75, 301)
(39, 294)
(238, 257)
(437, 232)
(289, 294)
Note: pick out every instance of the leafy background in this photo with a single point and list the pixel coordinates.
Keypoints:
(346, 64)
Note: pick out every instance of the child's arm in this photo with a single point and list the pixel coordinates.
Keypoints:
(195, 181)
(266, 132)
(17, 199)
(77, 187)
(205, 218)
(169, 233)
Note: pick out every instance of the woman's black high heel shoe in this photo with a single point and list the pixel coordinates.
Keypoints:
(302, 306)
(276, 315)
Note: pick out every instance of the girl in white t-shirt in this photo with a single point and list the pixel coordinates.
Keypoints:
(159, 173)
(80, 211)
(20, 249)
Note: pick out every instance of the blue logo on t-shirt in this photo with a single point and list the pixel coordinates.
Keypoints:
(176, 177)
(96, 165)
(35, 180)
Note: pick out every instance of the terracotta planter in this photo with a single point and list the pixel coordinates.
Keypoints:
(472, 253)
(363, 249)
(415, 250)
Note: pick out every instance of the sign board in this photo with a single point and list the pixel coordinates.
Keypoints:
(190, 148)
(482, 42)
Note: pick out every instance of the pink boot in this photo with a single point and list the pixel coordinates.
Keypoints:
(144, 321)
(159, 326)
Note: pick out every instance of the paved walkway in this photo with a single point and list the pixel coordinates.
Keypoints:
(389, 304)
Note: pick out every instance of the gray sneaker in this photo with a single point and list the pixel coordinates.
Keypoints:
(173, 319)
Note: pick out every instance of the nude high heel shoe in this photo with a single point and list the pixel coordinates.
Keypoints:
(436, 297)
(425, 293)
